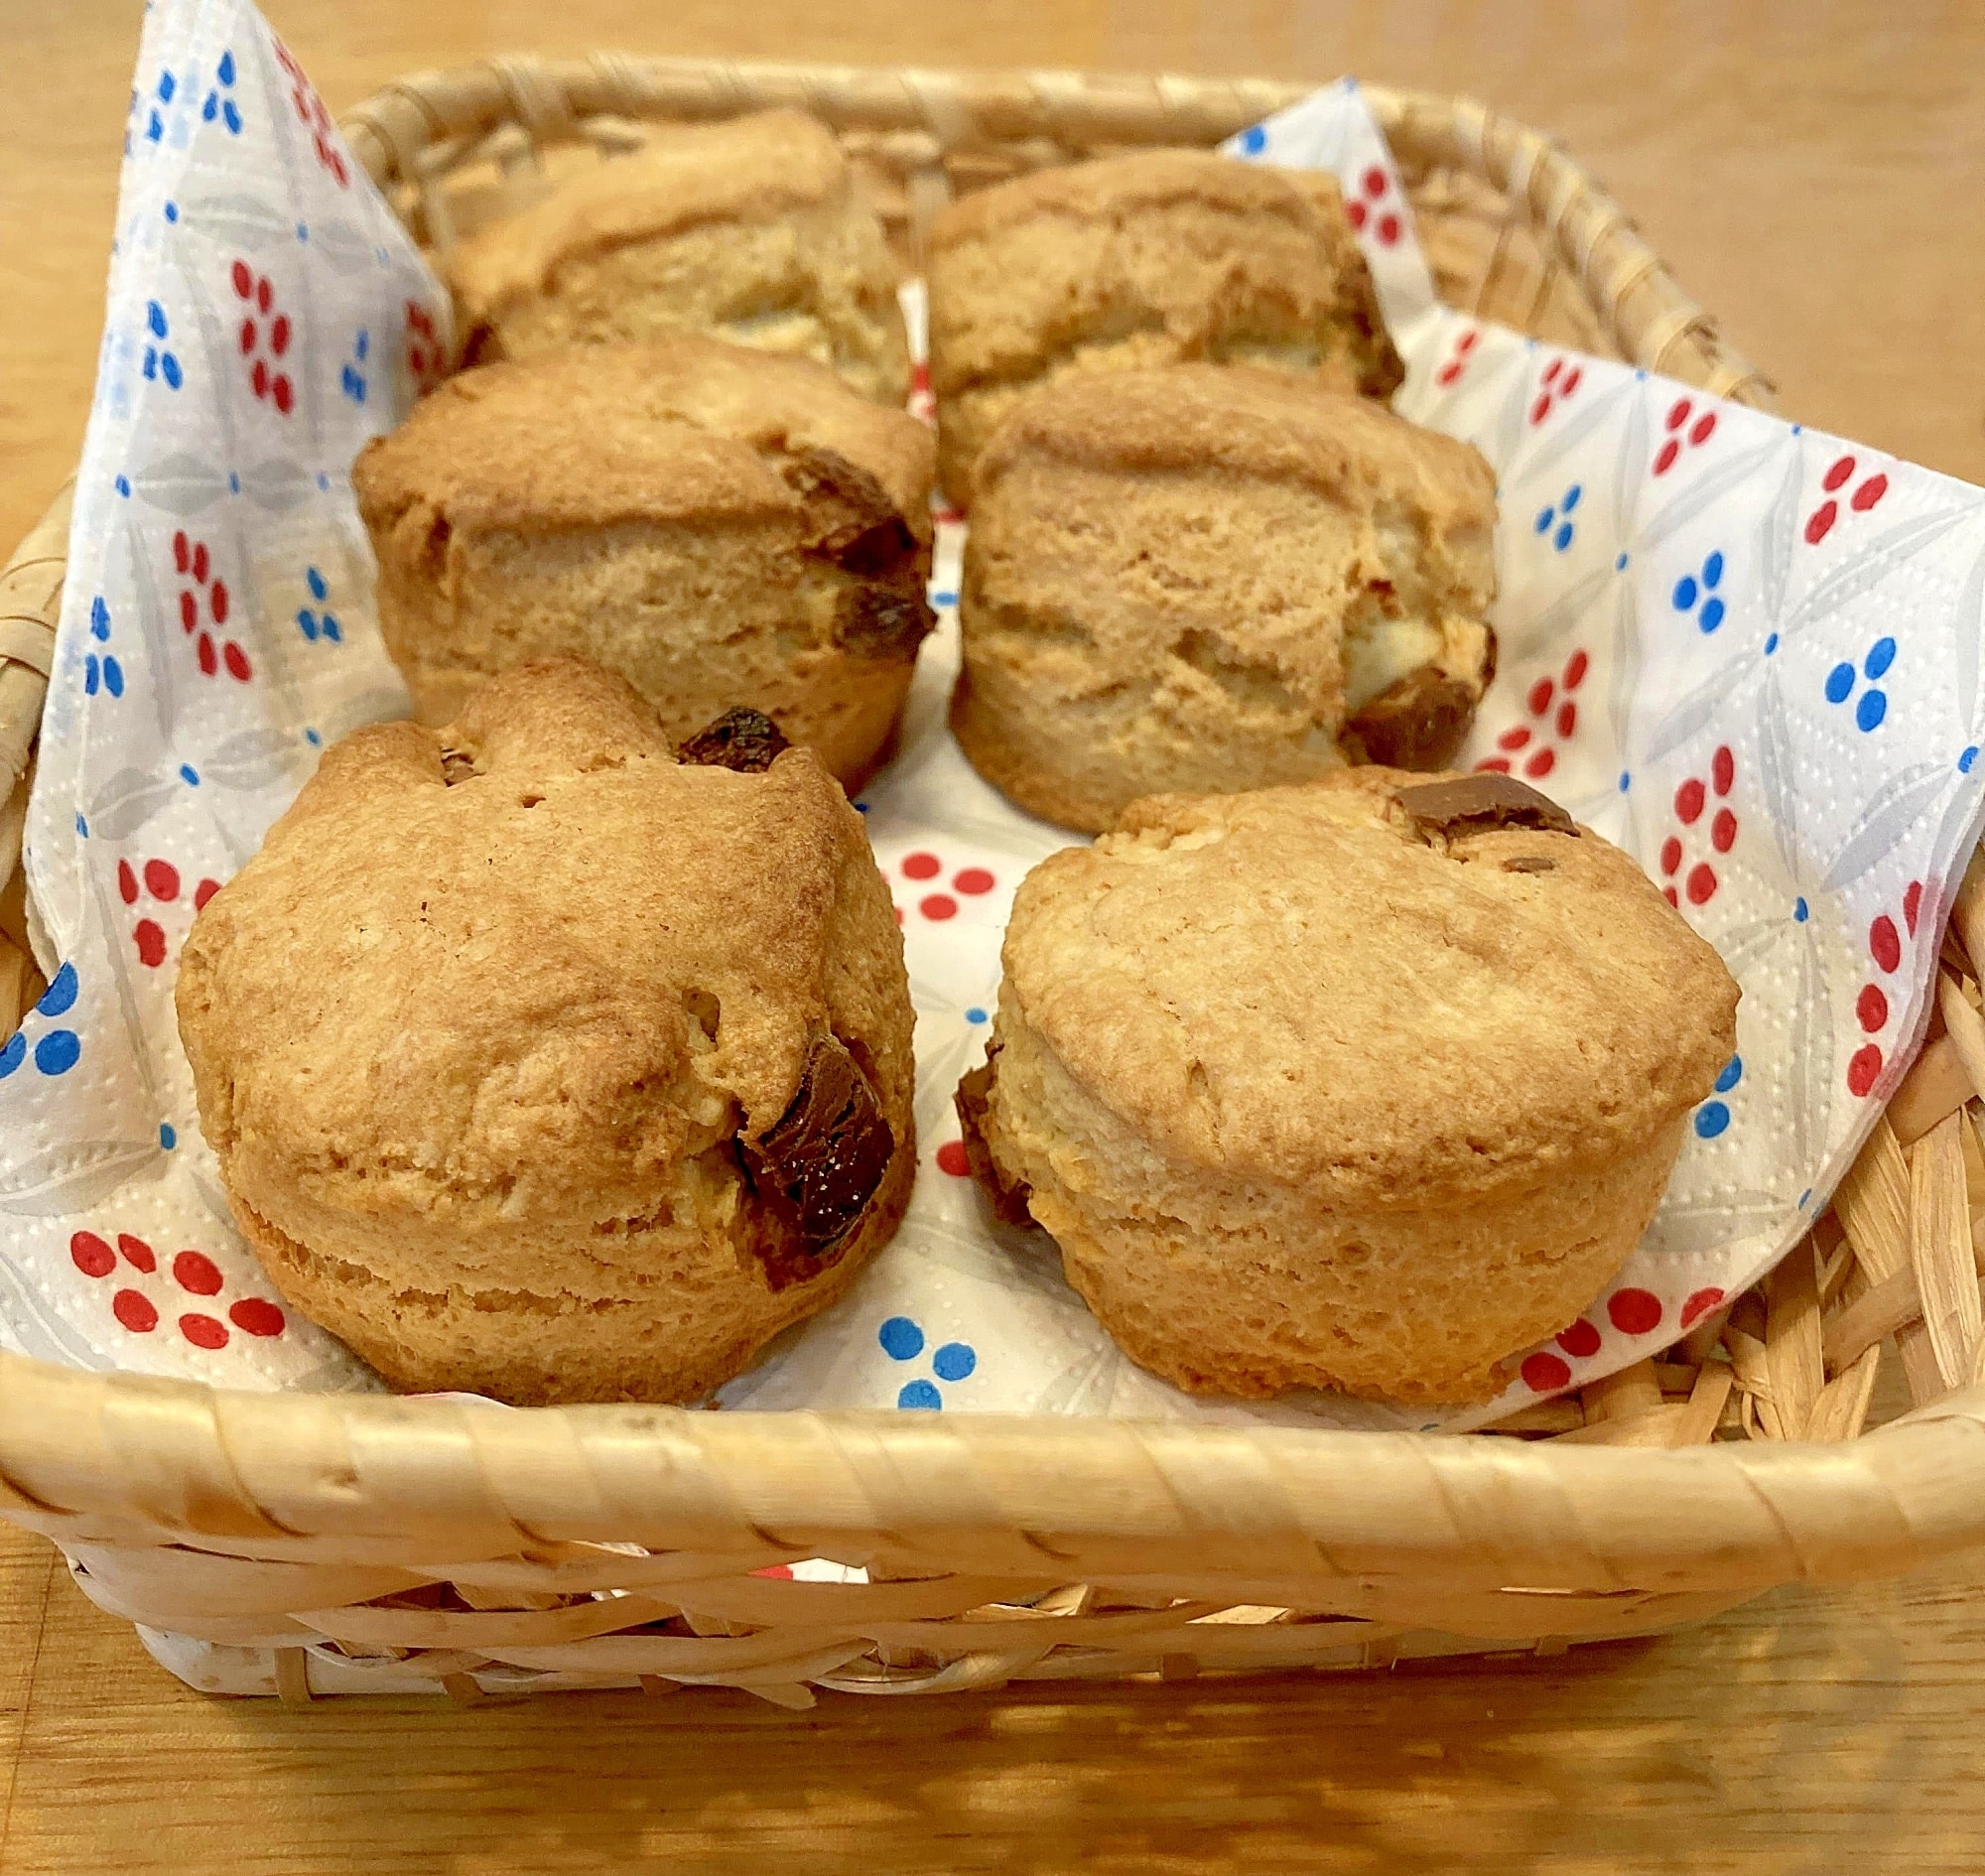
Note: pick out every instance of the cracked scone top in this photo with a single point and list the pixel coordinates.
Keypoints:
(721, 527)
(1160, 257)
(541, 1064)
(1365, 1084)
(752, 231)
(1206, 579)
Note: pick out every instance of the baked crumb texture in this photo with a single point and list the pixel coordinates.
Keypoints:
(1366, 1084)
(543, 1065)
(753, 230)
(1163, 257)
(1209, 578)
(722, 528)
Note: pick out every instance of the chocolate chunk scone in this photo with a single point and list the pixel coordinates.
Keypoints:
(1367, 1084)
(719, 526)
(1161, 257)
(544, 1064)
(752, 231)
(1212, 580)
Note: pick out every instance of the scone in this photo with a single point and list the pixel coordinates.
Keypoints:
(1158, 258)
(1363, 1085)
(752, 231)
(541, 1064)
(1209, 580)
(718, 526)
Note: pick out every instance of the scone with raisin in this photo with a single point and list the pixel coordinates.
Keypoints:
(1364, 1084)
(753, 230)
(1161, 257)
(1210, 580)
(718, 526)
(543, 1063)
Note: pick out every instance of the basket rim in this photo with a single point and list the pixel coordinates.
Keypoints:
(979, 107)
(116, 1457)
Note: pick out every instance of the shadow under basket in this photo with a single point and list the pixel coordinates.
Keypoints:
(306, 1544)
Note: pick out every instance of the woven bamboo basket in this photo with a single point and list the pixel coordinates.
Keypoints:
(320, 1544)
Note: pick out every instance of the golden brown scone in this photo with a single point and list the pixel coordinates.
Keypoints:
(541, 1065)
(1158, 258)
(718, 526)
(1210, 580)
(752, 231)
(1367, 1084)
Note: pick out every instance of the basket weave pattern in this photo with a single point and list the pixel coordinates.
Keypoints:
(358, 1541)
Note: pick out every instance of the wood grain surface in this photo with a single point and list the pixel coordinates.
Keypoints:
(1836, 1736)
(1812, 172)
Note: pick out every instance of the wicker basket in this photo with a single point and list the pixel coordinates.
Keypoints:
(348, 1543)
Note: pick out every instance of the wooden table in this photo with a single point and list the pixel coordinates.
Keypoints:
(1829, 1736)
(1813, 173)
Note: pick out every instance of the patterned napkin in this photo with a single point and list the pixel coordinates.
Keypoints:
(267, 314)
(1747, 652)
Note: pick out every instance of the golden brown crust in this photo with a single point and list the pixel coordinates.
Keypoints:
(680, 427)
(752, 229)
(1266, 426)
(555, 1351)
(486, 1033)
(721, 527)
(747, 169)
(1536, 1016)
(1202, 579)
(1155, 258)
(1317, 1091)
(1109, 186)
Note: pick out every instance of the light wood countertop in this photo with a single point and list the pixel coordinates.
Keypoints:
(1812, 172)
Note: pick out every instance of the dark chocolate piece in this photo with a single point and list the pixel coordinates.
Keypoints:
(878, 551)
(745, 739)
(434, 549)
(879, 622)
(1420, 721)
(817, 1166)
(858, 526)
(1529, 863)
(1009, 1197)
(1478, 803)
(852, 523)
(481, 346)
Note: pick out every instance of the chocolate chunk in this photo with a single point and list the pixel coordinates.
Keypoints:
(1529, 863)
(434, 549)
(819, 1165)
(745, 739)
(878, 622)
(1420, 721)
(975, 1092)
(481, 346)
(879, 550)
(1476, 804)
(851, 522)
(854, 523)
